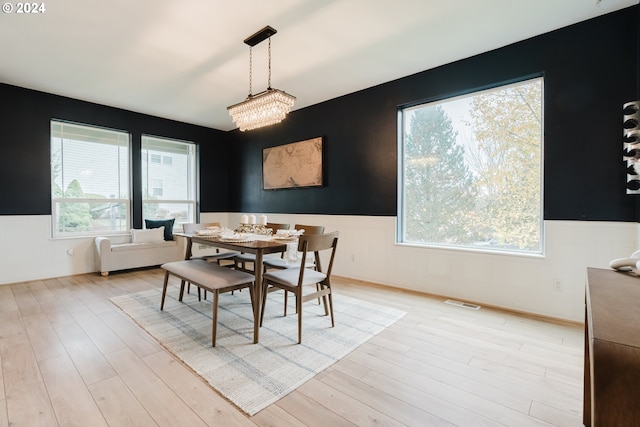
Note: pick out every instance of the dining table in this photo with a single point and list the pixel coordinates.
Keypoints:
(258, 245)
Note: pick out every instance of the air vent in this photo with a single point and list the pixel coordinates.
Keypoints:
(462, 304)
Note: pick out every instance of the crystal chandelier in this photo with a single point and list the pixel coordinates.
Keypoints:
(265, 108)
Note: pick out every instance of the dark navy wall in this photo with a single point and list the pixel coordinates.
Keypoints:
(590, 70)
(25, 117)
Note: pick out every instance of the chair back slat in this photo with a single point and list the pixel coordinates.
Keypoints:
(275, 227)
(316, 243)
(310, 229)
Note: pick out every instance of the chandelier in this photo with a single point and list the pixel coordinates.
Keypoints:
(265, 108)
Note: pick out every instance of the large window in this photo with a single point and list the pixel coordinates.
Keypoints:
(90, 189)
(168, 179)
(471, 170)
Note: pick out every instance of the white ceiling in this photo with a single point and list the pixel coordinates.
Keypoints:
(186, 60)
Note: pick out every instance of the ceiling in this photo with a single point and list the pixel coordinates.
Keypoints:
(186, 60)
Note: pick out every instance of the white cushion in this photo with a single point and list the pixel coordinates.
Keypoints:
(142, 247)
(147, 236)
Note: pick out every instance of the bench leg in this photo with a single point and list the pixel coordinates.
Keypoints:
(252, 296)
(286, 294)
(265, 286)
(299, 310)
(181, 290)
(164, 289)
(214, 318)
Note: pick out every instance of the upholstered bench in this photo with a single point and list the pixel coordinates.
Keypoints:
(136, 253)
(210, 277)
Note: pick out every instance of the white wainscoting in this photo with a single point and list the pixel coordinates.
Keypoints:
(367, 251)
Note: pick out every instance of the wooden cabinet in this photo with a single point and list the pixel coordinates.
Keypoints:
(612, 349)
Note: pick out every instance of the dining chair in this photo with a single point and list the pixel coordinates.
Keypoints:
(299, 280)
(217, 257)
(241, 260)
(281, 262)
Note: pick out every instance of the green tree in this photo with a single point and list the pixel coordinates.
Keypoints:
(438, 191)
(507, 125)
(75, 216)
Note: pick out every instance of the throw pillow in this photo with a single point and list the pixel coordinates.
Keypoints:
(157, 223)
(147, 236)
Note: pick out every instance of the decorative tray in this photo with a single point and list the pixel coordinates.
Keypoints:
(237, 239)
(284, 239)
(206, 233)
(207, 236)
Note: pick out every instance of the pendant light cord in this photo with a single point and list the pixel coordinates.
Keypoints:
(269, 82)
(250, 69)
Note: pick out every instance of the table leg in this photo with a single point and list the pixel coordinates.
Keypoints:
(257, 271)
(188, 249)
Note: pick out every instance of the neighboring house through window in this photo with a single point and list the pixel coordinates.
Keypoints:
(168, 179)
(156, 189)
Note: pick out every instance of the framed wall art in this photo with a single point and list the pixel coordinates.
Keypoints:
(294, 165)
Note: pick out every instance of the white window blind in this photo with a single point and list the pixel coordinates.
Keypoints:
(90, 185)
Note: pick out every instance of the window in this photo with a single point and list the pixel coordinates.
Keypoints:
(471, 170)
(89, 180)
(168, 179)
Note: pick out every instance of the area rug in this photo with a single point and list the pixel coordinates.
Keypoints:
(253, 376)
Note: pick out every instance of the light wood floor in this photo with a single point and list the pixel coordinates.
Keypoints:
(70, 358)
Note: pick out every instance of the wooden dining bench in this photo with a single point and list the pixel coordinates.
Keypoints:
(210, 277)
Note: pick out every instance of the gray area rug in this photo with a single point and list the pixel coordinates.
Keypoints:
(253, 376)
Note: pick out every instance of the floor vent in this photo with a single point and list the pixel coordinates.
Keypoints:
(462, 304)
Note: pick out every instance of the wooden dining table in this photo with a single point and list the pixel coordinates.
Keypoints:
(259, 248)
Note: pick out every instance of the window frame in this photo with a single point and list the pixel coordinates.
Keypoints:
(401, 200)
